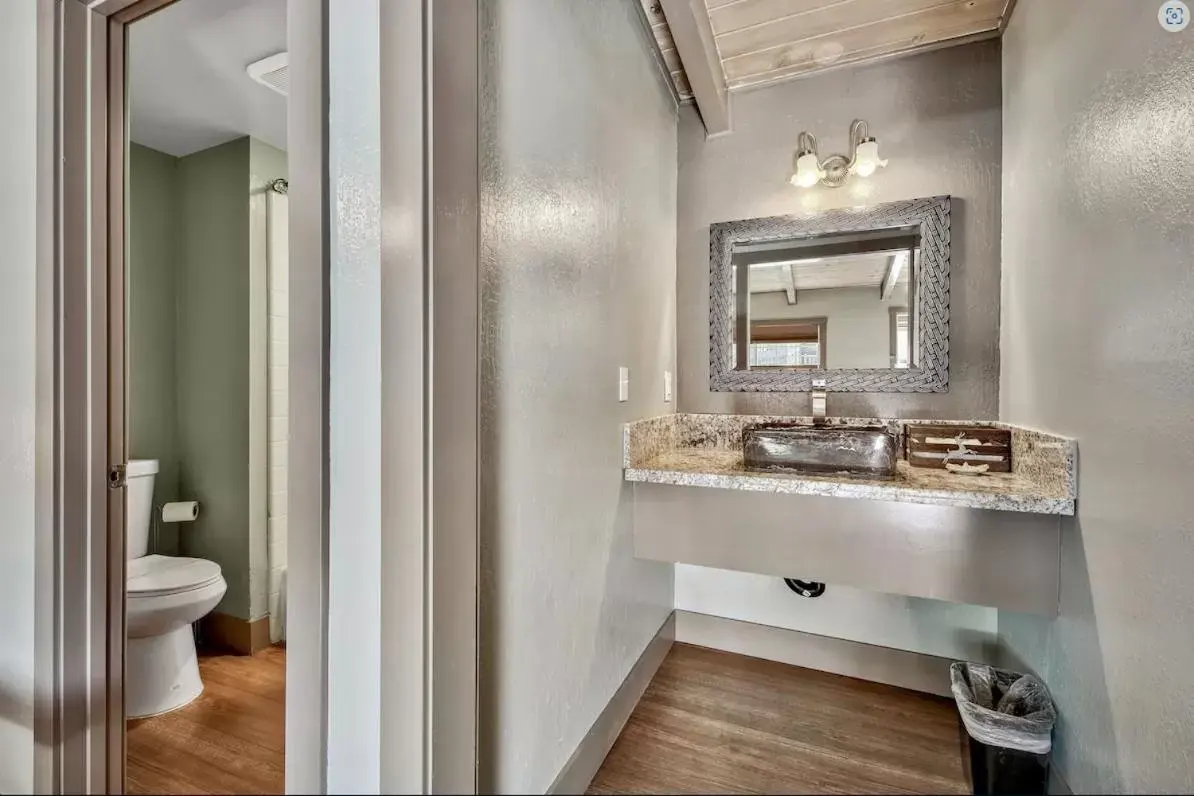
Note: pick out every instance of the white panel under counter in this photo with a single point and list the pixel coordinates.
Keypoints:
(698, 450)
(983, 540)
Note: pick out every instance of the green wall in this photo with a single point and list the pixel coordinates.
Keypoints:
(213, 361)
(198, 337)
(153, 397)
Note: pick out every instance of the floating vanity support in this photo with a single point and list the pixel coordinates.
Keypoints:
(928, 532)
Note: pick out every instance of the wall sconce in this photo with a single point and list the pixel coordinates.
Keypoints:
(833, 170)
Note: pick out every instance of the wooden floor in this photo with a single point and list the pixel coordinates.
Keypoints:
(229, 740)
(716, 722)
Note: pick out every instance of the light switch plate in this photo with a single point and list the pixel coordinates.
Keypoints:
(623, 384)
(667, 385)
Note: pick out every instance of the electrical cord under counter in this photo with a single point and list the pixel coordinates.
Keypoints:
(806, 588)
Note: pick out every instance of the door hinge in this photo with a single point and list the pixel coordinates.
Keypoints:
(117, 476)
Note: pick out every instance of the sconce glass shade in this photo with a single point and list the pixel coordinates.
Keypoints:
(808, 171)
(866, 158)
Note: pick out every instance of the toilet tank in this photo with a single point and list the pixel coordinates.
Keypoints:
(139, 505)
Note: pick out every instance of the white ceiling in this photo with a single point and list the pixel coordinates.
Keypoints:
(188, 89)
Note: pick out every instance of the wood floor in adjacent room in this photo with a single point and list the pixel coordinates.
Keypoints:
(716, 722)
(229, 740)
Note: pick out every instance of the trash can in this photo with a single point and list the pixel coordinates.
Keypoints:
(1009, 719)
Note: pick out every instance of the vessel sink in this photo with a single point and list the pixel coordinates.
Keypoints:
(862, 452)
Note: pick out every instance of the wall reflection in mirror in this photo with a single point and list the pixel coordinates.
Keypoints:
(826, 302)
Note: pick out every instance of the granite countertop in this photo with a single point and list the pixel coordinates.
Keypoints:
(705, 451)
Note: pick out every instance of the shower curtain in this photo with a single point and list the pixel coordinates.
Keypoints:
(278, 424)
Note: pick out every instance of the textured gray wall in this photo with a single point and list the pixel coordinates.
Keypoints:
(578, 246)
(1098, 343)
(937, 118)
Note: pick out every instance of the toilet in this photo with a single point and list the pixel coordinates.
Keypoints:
(165, 595)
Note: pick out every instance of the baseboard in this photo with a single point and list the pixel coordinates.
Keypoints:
(584, 763)
(1057, 784)
(912, 670)
(233, 633)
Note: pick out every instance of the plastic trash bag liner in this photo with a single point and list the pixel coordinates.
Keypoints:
(1003, 708)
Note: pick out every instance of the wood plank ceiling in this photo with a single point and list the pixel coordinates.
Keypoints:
(761, 42)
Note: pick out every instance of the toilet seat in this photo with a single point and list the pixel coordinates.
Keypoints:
(159, 576)
(166, 594)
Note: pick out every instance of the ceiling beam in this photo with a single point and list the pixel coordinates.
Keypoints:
(895, 266)
(1006, 16)
(693, 34)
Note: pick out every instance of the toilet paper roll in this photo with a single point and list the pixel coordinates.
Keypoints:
(184, 511)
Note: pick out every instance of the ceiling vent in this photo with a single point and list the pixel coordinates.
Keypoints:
(272, 72)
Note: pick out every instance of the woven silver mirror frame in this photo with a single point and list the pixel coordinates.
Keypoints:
(931, 214)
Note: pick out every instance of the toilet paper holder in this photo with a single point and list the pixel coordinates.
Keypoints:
(180, 511)
(172, 512)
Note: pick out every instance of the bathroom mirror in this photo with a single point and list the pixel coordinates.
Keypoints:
(858, 299)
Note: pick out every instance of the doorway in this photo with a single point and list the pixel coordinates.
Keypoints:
(425, 704)
(206, 364)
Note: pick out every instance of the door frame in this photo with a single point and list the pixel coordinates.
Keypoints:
(427, 728)
(85, 723)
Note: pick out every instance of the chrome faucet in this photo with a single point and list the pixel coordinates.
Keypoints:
(818, 396)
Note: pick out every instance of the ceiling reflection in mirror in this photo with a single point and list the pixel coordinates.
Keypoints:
(826, 302)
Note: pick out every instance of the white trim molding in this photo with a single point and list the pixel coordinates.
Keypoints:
(307, 497)
(403, 397)
(585, 762)
(87, 714)
(452, 150)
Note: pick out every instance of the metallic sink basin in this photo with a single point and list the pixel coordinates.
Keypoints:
(862, 452)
